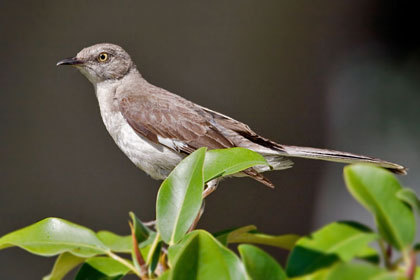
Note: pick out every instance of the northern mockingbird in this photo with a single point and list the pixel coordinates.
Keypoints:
(156, 129)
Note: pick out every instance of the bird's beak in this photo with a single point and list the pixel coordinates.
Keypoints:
(70, 61)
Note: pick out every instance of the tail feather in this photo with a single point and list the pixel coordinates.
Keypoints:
(242, 136)
(337, 156)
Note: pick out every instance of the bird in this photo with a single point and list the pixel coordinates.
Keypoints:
(156, 128)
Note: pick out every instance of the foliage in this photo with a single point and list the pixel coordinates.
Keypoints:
(175, 250)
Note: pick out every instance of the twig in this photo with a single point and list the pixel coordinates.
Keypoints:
(387, 261)
(124, 262)
(410, 260)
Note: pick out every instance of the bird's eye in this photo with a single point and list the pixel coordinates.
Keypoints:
(102, 57)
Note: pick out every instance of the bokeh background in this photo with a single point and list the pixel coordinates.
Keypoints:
(336, 74)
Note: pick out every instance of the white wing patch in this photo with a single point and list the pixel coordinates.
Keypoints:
(172, 143)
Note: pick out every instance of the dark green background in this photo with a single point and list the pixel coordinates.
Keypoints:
(337, 74)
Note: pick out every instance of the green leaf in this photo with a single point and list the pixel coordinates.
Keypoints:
(174, 250)
(224, 162)
(248, 234)
(145, 244)
(140, 230)
(417, 247)
(53, 236)
(317, 275)
(87, 272)
(417, 275)
(340, 241)
(165, 276)
(108, 266)
(117, 243)
(203, 257)
(225, 236)
(63, 265)
(155, 257)
(369, 254)
(409, 196)
(351, 271)
(151, 249)
(101, 268)
(286, 241)
(259, 264)
(376, 188)
(154, 254)
(180, 197)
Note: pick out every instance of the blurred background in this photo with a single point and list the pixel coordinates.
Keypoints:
(336, 74)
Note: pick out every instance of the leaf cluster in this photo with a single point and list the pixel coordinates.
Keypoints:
(176, 250)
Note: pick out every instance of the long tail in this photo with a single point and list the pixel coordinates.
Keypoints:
(337, 156)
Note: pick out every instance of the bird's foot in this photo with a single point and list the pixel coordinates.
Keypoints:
(211, 187)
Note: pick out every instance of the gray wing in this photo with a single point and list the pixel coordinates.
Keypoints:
(177, 124)
(171, 123)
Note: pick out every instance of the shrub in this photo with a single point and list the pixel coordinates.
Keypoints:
(175, 250)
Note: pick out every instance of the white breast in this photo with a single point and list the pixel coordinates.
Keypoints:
(154, 159)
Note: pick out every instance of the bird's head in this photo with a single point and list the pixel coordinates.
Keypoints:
(101, 62)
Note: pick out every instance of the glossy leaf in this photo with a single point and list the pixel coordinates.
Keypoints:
(248, 234)
(101, 268)
(63, 265)
(117, 243)
(174, 250)
(286, 241)
(155, 257)
(154, 248)
(87, 272)
(351, 271)
(53, 236)
(340, 241)
(107, 266)
(203, 257)
(224, 162)
(409, 196)
(259, 264)
(180, 197)
(376, 188)
(145, 244)
(225, 236)
(141, 231)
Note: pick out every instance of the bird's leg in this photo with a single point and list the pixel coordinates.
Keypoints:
(200, 213)
(211, 187)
